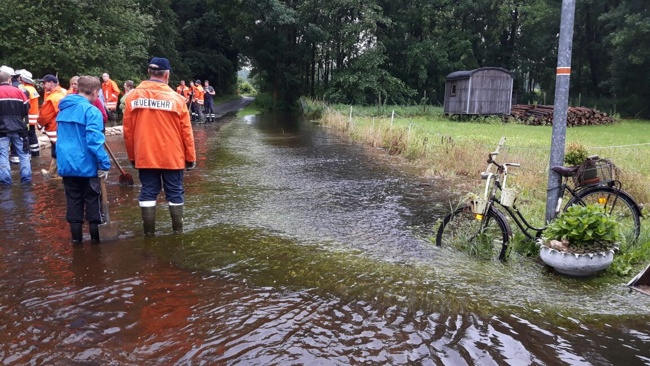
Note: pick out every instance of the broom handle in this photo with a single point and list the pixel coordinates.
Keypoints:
(114, 159)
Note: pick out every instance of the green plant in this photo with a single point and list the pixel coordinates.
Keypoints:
(575, 154)
(584, 228)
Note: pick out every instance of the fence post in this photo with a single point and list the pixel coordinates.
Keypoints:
(392, 117)
(350, 114)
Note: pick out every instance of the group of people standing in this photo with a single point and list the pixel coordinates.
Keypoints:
(157, 134)
(200, 99)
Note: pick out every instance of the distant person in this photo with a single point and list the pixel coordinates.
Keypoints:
(159, 143)
(47, 117)
(14, 108)
(111, 93)
(82, 160)
(197, 106)
(208, 100)
(97, 103)
(128, 87)
(28, 85)
(183, 90)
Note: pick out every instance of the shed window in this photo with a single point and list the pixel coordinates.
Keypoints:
(453, 90)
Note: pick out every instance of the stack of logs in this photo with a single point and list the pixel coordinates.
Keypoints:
(543, 115)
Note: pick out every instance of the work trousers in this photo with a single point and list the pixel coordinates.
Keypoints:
(34, 146)
(83, 196)
(208, 108)
(153, 180)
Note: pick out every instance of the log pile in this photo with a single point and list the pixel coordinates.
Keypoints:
(543, 115)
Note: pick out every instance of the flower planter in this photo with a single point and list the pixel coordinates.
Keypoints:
(576, 264)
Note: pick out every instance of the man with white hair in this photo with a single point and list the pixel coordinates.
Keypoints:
(111, 93)
(14, 107)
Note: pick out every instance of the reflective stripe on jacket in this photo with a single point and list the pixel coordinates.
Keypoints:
(157, 128)
(33, 104)
(47, 117)
(198, 94)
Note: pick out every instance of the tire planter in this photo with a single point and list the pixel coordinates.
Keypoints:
(576, 264)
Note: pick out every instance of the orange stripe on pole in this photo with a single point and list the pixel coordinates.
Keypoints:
(564, 71)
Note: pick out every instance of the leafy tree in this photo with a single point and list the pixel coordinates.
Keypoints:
(75, 36)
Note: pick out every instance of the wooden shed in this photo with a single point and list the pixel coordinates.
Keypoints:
(483, 91)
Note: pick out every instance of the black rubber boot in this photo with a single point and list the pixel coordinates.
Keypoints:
(94, 233)
(76, 229)
(176, 213)
(149, 220)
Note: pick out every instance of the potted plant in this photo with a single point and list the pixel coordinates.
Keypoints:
(580, 241)
(576, 155)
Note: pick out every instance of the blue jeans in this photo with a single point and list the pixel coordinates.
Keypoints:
(153, 180)
(5, 168)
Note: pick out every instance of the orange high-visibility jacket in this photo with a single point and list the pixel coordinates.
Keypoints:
(198, 94)
(184, 91)
(157, 128)
(47, 117)
(111, 93)
(33, 104)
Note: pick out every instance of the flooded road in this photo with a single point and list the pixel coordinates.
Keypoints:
(300, 248)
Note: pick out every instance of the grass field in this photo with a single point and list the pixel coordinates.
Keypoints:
(458, 151)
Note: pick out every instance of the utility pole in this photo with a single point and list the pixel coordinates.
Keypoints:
(562, 79)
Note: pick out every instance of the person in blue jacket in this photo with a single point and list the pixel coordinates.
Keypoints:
(82, 160)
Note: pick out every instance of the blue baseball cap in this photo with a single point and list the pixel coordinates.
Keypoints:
(49, 77)
(160, 63)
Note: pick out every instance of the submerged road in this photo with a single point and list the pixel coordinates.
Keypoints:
(300, 248)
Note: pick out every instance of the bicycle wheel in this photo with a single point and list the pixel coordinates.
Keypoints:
(488, 238)
(617, 204)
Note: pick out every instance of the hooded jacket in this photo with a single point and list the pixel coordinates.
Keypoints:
(157, 128)
(80, 151)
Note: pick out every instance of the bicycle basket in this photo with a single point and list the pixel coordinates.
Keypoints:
(594, 171)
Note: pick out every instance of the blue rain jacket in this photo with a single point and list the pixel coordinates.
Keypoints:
(80, 146)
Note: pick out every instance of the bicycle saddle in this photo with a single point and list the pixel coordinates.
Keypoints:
(565, 171)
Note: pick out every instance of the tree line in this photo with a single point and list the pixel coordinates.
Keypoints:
(347, 51)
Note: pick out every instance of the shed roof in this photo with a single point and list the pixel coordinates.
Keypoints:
(459, 75)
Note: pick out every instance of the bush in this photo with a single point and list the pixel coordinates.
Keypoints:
(576, 154)
(312, 109)
(584, 227)
(244, 87)
(265, 102)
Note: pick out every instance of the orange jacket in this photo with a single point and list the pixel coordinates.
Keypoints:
(157, 128)
(184, 91)
(33, 103)
(198, 94)
(47, 118)
(111, 93)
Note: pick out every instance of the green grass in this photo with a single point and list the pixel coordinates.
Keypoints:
(458, 151)
(249, 110)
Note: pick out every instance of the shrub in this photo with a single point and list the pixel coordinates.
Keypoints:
(576, 154)
(585, 228)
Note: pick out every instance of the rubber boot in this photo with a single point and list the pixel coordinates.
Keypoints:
(149, 220)
(76, 229)
(94, 233)
(176, 213)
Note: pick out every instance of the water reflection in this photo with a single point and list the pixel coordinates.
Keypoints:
(300, 249)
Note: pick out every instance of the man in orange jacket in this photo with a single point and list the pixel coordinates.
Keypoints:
(111, 93)
(28, 85)
(159, 143)
(197, 105)
(183, 90)
(46, 120)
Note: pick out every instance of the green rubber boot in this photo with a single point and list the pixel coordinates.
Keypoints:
(176, 213)
(149, 220)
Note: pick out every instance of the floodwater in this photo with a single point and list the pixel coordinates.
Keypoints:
(300, 248)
